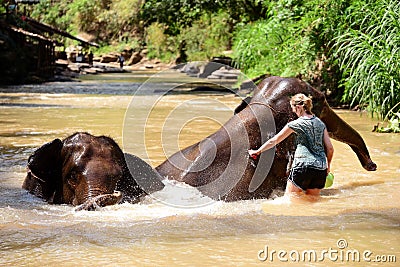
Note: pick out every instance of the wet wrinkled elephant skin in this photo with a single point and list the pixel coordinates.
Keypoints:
(86, 170)
(100, 201)
(220, 167)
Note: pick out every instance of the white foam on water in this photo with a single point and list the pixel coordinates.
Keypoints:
(176, 199)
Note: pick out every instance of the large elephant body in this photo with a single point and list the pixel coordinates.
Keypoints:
(220, 167)
(89, 171)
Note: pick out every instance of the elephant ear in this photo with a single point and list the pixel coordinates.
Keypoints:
(44, 171)
(139, 179)
(245, 102)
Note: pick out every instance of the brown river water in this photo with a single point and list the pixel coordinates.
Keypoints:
(356, 223)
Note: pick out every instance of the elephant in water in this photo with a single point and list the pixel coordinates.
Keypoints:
(88, 171)
(220, 167)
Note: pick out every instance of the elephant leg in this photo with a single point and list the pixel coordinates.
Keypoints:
(100, 201)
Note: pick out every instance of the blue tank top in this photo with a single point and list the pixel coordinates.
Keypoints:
(310, 150)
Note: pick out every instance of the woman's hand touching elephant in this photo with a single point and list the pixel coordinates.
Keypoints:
(254, 153)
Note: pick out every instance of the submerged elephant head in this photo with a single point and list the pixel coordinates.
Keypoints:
(83, 170)
(219, 165)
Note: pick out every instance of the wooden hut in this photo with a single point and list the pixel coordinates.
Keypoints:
(32, 46)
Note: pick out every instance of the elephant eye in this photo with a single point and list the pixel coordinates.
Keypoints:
(73, 179)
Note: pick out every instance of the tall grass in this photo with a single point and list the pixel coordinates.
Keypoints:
(368, 50)
(274, 46)
(290, 41)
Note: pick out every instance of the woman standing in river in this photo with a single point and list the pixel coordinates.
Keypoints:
(314, 150)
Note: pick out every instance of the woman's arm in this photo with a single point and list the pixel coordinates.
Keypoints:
(279, 137)
(328, 149)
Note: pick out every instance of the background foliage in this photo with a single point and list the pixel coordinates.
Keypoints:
(368, 50)
(347, 48)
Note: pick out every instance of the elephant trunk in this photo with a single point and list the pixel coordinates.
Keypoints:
(343, 132)
(100, 201)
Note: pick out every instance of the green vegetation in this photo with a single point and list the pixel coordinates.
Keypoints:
(393, 124)
(207, 37)
(368, 52)
(348, 48)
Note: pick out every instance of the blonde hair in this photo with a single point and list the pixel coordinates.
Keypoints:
(302, 100)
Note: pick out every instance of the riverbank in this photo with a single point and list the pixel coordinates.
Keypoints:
(67, 71)
(211, 71)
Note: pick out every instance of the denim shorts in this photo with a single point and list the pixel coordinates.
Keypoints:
(308, 178)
